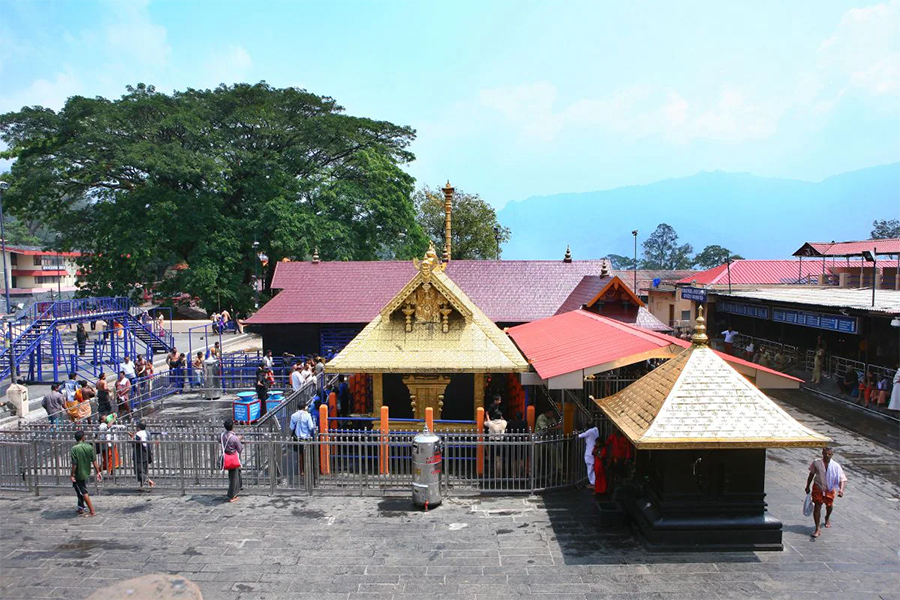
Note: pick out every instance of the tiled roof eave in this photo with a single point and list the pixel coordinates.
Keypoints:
(726, 443)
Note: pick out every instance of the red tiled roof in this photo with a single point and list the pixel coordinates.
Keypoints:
(581, 340)
(586, 290)
(645, 277)
(757, 272)
(886, 246)
(508, 291)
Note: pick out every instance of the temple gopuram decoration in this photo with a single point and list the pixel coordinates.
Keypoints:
(430, 346)
(700, 431)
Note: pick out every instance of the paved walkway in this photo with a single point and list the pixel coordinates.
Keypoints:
(549, 547)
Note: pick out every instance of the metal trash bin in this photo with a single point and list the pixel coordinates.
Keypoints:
(212, 384)
(427, 455)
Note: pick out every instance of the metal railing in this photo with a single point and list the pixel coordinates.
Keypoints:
(836, 366)
(342, 462)
(792, 354)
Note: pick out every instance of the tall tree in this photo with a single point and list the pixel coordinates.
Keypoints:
(662, 251)
(713, 256)
(151, 180)
(885, 229)
(475, 229)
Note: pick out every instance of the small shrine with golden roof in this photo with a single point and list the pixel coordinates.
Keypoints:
(430, 346)
(701, 431)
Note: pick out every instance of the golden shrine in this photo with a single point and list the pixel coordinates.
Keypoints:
(435, 341)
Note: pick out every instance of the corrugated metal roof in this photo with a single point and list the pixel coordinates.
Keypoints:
(885, 246)
(579, 339)
(757, 272)
(886, 301)
(696, 400)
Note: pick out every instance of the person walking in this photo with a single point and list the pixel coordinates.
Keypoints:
(104, 407)
(54, 403)
(83, 456)
(143, 455)
(827, 479)
(231, 458)
(303, 429)
(818, 361)
(895, 391)
(262, 387)
(590, 440)
(81, 338)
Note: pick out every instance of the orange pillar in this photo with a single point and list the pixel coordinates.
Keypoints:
(324, 458)
(530, 418)
(479, 449)
(383, 450)
(429, 419)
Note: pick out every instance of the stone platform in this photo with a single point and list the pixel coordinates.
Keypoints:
(549, 547)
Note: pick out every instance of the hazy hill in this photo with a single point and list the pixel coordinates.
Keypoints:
(754, 216)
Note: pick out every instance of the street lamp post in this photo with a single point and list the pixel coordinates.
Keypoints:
(634, 233)
(8, 320)
(3, 187)
(498, 235)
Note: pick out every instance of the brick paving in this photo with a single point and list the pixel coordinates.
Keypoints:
(549, 547)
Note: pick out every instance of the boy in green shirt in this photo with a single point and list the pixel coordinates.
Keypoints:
(83, 456)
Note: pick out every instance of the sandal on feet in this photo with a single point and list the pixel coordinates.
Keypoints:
(816, 534)
(828, 524)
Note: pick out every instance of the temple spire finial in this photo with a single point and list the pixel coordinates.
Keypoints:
(568, 257)
(315, 256)
(448, 208)
(699, 338)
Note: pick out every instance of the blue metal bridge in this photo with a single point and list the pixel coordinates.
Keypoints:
(35, 345)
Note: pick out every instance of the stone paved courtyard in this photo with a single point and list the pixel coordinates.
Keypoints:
(352, 548)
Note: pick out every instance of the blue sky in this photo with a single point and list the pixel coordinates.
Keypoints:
(513, 99)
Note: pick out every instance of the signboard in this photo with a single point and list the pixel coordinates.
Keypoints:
(692, 293)
(745, 310)
(837, 323)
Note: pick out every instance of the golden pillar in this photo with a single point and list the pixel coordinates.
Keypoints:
(377, 393)
(448, 208)
(479, 392)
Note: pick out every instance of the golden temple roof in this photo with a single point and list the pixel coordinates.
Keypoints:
(430, 326)
(697, 400)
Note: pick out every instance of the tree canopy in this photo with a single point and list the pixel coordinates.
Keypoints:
(475, 226)
(151, 180)
(662, 251)
(713, 256)
(885, 229)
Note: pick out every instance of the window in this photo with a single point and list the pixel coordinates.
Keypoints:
(13, 258)
(686, 315)
(13, 283)
(46, 279)
(52, 263)
(36, 261)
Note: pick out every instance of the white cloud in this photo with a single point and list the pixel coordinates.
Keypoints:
(635, 112)
(229, 66)
(864, 51)
(49, 93)
(132, 36)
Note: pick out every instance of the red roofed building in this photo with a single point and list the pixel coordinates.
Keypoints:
(31, 270)
(323, 305)
(566, 348)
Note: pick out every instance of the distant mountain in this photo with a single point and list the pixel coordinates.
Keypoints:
(756, 217)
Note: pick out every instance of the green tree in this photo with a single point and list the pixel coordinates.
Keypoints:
(475, 227)
(713, 256)
(621, 263)
(151, 180)
(885, 229)
(662, 251)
